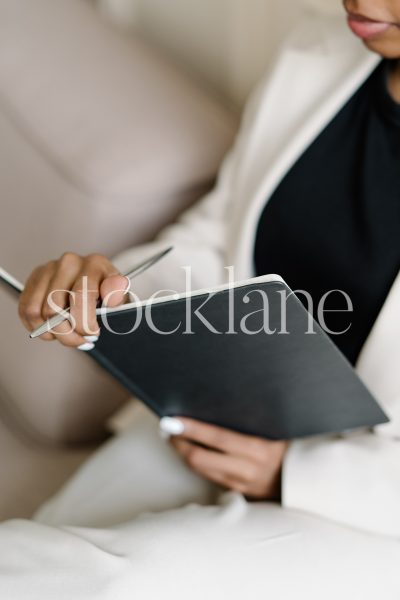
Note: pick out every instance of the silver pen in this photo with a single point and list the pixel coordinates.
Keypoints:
(63, 316)
(12, 284)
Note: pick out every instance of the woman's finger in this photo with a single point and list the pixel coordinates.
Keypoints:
(113, 290)
(73, 281)
(59, 296)
(31, 302)
(228, 468)
(97, 276)
(84, 300)
(221, 439)
(58, 293)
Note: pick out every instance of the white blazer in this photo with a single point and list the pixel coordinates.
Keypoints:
(353, 479)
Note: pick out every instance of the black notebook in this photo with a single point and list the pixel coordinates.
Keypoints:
(249, 358)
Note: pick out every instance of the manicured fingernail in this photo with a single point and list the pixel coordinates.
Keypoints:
(91, 338)
(86, 347)
(171, 426)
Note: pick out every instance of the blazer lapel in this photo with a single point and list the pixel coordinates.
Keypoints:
(379, 361)
(324, 77)
(322, 81)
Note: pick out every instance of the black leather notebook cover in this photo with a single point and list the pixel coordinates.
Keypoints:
(278, 386)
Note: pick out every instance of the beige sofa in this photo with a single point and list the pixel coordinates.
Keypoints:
(102, 142)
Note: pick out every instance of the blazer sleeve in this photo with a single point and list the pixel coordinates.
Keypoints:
(199, 242)
(200, 236)
(354, 480)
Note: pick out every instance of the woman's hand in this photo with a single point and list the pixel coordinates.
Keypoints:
(75, 281)
(246, 464)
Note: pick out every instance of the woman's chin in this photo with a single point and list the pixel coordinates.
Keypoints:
(385, 48)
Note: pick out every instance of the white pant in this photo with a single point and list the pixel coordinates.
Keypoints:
(98, 539)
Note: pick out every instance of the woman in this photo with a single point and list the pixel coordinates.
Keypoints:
(311, 190)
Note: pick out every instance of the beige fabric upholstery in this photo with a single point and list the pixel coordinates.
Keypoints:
(30, 472)
(102, 142)
(330, 7)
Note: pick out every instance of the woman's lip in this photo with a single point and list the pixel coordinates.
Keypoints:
(366, 28)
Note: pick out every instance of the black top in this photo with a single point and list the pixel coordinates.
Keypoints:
(334, 221)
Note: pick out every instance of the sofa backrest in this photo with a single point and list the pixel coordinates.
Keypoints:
(102, 142)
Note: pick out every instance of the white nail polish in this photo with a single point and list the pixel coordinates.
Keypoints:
(86, 347)
(91, 338)
(171, 426)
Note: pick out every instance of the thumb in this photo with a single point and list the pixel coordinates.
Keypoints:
(113, 290)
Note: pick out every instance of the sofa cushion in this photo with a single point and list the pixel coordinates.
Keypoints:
(106, 109)
(102, 142)
(30, 473)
